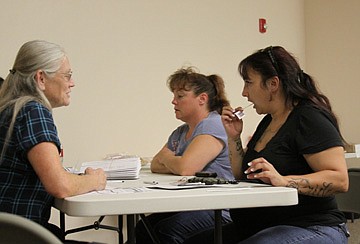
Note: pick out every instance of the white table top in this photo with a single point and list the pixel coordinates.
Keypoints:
(353, 162)
(132, 197)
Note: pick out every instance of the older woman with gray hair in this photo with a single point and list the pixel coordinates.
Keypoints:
(31, 173)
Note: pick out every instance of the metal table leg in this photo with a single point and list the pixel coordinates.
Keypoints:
(218, 227)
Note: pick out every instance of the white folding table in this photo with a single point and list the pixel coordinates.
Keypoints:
(131, 197)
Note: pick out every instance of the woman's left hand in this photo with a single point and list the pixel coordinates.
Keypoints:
(263, 170)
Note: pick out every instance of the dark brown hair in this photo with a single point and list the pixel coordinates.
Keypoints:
(298, 86)
(190, 80)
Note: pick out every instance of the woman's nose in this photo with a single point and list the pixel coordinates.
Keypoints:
(244, 93)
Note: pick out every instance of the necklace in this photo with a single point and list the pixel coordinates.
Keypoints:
(268, 134)
(273, 131)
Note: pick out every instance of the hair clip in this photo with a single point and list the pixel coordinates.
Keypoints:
(269, 51)
(301, 76)
(12, 71)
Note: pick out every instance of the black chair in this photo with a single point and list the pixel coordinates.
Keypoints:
(349, 202)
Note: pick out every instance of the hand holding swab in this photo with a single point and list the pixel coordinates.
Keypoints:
(241, 114)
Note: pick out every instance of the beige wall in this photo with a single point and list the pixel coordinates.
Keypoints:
(122, 53)
(333, 57)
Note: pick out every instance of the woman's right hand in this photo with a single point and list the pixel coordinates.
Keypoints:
(100, 177)
(232, 124)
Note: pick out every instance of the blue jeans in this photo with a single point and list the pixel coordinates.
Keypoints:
(173, 228)
(285, 234)
(281, 234)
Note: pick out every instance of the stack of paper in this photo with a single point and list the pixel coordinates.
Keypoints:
(126, 168)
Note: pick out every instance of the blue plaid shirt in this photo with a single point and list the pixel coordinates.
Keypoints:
(21, 191)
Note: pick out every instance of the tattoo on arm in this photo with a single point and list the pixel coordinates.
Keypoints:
(239, 147)
(304, 187)
(230, 155)
(236, 155)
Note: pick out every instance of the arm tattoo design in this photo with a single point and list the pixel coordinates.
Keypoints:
(239, 147)
(304, 187)
(230, 155)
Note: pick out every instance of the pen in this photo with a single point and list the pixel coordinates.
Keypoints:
(151, 182)
(190, 183)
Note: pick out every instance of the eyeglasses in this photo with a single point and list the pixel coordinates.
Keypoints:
(67, 75)
(270, 53)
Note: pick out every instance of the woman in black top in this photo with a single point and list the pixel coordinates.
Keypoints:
(297, 144)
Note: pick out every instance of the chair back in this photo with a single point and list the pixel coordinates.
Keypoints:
(349, 202)
(19, 230)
